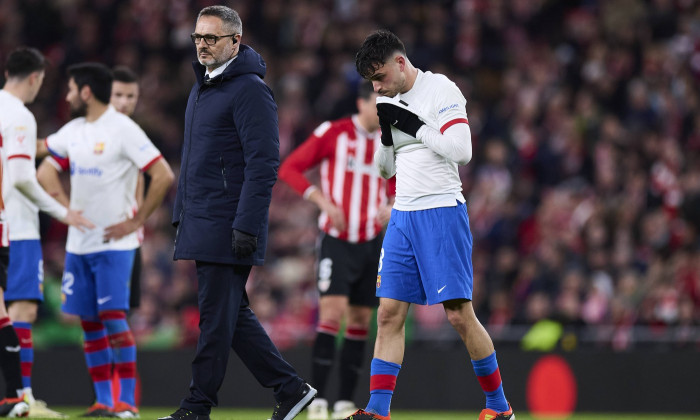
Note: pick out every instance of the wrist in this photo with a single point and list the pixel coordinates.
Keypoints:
(420, 133)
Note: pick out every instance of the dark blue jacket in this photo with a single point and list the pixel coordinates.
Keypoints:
(229, 162)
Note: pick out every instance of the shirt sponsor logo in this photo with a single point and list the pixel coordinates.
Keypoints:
(447, 108)
(81, 170)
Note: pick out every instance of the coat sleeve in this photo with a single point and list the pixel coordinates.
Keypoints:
(255, 116)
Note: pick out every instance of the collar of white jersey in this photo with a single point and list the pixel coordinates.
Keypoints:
(12, 97)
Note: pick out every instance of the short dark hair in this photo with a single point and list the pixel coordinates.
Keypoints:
(124, 74)
(232, 22)
(365, 89)
(24, 61)
(95, 75)
(377, 48)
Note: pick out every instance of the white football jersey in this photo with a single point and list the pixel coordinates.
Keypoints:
(18, 136)
(424, 179)
(105, 157)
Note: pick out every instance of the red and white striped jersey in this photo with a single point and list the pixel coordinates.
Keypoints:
(344, 150)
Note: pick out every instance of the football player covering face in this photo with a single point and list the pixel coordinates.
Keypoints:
(390, 78)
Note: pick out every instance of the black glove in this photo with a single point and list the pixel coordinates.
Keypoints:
(400, 118)
(243, 244)
(387, 140)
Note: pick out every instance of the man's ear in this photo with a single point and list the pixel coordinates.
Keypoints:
(85, 93)
(401, 61)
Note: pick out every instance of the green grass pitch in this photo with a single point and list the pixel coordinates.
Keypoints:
(225, 413)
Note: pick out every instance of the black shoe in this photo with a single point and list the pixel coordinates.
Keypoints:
(289, 408)
(183, 414)
(14, 407)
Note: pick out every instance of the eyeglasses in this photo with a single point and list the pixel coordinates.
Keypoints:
(210, 39)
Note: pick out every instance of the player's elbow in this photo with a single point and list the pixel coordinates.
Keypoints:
(464, 157)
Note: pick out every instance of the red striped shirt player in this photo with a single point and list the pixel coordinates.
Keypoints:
(355, 203)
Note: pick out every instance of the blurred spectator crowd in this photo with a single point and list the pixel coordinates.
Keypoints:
(583, 193)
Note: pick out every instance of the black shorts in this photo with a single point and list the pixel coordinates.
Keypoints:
(349, 269)
(135, 292)
(4, 263)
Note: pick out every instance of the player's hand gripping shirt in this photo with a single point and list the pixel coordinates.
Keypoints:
(425, 178)
(105, 157)
(18, 134)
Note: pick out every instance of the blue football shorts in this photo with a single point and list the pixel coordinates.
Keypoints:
(25, 273)
(426, 256)
(97, 282)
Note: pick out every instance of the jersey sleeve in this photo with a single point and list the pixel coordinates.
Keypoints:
(61, 164)
(316, 147)
(451, 107)
(139, 149)
(57, 143)
(20, 141)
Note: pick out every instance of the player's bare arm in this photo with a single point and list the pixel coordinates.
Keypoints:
(41, 149)
(50, 181)
(161, 179)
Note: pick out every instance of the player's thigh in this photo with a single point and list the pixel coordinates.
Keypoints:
(112, 275)
(336, 269)
(363, 291)
(78, 294)
(443, 247)
(398, 276)
(25, 273)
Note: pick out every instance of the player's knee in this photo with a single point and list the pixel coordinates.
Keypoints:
(389, 318)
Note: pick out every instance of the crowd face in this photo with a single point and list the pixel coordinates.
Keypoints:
(124, 97)
(212, 56)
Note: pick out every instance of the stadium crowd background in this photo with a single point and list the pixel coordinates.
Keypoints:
(583, 193)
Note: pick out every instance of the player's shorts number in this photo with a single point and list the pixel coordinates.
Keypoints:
(381, 258)
(67, 286)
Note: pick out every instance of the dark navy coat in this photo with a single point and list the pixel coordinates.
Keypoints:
(229, 162)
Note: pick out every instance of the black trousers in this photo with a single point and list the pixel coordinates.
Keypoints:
(226, 321)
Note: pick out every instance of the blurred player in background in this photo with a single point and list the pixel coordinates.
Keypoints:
(25, 197)
(124, 98)
(106, 149)
(426, 254)
(354, 208)
(13, 405)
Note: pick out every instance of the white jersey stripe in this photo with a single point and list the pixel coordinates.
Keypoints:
(356, 190)
(325, 188)
(341, 161)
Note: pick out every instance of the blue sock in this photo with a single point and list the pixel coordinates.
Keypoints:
(489, 377)
(381, 386)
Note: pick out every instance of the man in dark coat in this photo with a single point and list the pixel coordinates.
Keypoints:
(229, 164)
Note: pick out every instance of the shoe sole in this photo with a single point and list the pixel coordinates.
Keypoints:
(302, 404)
